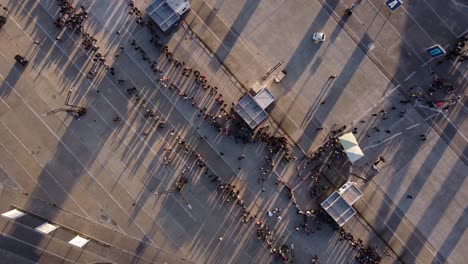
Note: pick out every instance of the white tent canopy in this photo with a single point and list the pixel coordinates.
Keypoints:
(354, 153)
(339, 205)
(351, 147)
(348, 140)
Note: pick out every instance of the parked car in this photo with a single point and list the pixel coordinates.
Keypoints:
(319, 37)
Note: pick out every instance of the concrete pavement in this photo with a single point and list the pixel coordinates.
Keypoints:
(99, 169)
(377, 55)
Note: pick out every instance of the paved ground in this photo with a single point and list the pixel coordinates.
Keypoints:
(378, 55)
(107, 172)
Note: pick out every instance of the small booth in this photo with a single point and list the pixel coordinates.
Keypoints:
(252, 108)
(166, 13)
(339, 205)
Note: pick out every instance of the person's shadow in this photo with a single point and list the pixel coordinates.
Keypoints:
(13, 76)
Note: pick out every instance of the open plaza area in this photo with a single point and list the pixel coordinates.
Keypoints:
(229, 137)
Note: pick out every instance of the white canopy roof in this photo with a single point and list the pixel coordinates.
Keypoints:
(166, 13)
(351, 147)
(339, 204)
(354, 153)
(348, 141)
(264, 98)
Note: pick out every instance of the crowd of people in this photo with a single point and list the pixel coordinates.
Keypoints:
(365, 254)
(230, 194)
(135, 11)
(74, 20)
(441, 93)
(459, 51)
(69, 17)
(220, 115)
(368, 255)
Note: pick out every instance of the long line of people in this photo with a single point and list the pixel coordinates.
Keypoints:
(219, 116)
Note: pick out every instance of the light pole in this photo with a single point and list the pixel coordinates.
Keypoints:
(272, 70)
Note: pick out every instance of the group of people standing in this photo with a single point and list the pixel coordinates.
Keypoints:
(220, 116)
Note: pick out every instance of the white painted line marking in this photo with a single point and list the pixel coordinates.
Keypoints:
(397, 134)
(409, 76)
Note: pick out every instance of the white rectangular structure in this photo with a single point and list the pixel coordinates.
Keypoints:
(264, 98)
(350, 192)
(46, 228)
(249, 110)
(252, 108)
(351, 147)
(13, 214)
(166, 13)
(339, 204)
(79, 241)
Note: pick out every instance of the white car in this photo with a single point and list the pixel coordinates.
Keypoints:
(319, 36)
